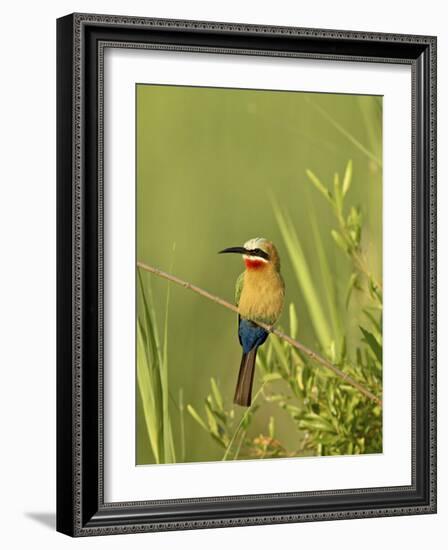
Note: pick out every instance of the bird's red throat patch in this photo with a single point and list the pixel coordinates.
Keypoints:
(254, 263)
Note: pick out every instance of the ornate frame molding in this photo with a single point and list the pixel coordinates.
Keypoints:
(81, 42)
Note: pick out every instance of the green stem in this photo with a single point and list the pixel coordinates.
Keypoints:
(182, 423)
(240, 424)
(238, 448)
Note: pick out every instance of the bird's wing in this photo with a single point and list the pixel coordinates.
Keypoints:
(239, 288)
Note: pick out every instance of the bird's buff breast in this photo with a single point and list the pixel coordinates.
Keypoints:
(262, 296)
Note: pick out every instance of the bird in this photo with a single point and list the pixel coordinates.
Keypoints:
(259, 297)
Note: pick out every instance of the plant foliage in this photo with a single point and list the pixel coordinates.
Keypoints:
(331, 417)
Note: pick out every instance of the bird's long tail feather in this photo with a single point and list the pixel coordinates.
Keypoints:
(243, 392)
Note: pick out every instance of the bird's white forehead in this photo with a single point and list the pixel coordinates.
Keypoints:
(257, 242)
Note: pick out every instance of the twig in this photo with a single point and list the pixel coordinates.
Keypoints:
(294, 343)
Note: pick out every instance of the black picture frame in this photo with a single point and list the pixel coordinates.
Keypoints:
(81, 510)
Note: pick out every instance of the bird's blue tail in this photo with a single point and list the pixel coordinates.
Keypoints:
(251, 337)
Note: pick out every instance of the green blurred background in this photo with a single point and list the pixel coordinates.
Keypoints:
(209, 163)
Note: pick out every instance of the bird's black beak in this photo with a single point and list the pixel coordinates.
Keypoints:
(234, 250)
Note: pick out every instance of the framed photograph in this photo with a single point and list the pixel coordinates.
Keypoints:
(246, 274)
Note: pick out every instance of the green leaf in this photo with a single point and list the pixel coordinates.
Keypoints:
(211, 417)
(216, 394)
(198, 419)
(271, 377)
(293, 321)
(271, 427)
(337, 193)
(149, 371)
(339, 240)
(314, 421)
(333, 351)
(168, 441)
(281, 355)
(149, 324)
(373, 344)
(182, 424)
(344, 348)
(354, 225)
(359, 357)
(218, 439)
(376, 324)
(145, 384)
(352, 283)
(347, 178)
(319, 185)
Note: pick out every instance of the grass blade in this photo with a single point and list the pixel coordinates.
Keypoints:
(347, 178)
(319, 185)
(216, 394)
(373, 344)
(346, 133)
(303, 276)
(293, 321)
(149, 362)
(328, 281)
(145, 384)
(168, 442)
(182, 424)
(196, 416)
(241, 423)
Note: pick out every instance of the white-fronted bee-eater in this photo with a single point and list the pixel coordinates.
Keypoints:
(259, 296)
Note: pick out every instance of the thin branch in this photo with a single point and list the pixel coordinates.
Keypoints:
(294, 343)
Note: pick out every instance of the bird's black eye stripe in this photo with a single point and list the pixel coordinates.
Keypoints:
(260, 253)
